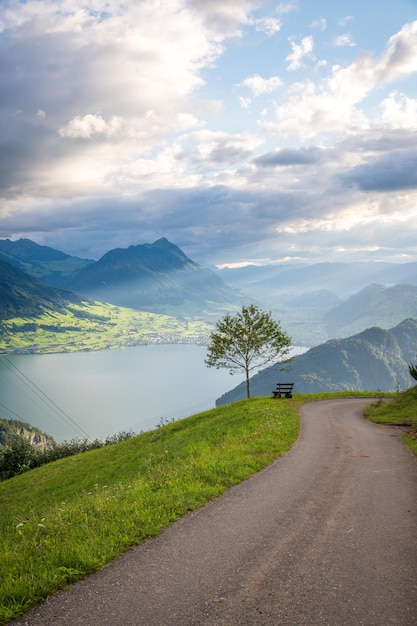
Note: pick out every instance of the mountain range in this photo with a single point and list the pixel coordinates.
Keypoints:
(373, 360)
(160, 278)
(156, 277)
(271, 282)
(313, 303)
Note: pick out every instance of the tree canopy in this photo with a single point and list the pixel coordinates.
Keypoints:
(245, 341)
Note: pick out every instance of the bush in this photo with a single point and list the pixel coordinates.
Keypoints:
(19, 455)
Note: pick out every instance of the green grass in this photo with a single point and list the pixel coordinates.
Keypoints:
(67, 519)
(94, 326)
(401, 410)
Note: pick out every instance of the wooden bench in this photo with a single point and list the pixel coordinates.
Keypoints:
(283, 390)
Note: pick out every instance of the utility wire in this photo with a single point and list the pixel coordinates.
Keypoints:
(6, 408)
(43, 396)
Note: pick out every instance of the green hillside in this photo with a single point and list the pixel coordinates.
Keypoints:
(74, 515)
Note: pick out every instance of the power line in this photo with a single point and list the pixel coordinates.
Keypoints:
(6, 408)
(33, 387)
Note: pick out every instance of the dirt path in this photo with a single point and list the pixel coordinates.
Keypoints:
(326, 535)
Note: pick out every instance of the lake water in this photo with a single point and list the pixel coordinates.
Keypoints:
(97, 394)
(102, 393)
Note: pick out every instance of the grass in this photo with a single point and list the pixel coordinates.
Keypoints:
(94, 326)
(399, 410)
(73, 516)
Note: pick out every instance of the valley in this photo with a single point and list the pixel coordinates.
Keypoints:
(154, 294)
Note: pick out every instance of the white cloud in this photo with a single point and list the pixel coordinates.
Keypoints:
(260, 86)
(268, 25)
(344, 40)
(400, 58)
(320, 24)
(123, 118)
(299, 51)
(286, 7)
(331, 105)
(398, 111)
(345, 20)
(244, 102)
(87, 126)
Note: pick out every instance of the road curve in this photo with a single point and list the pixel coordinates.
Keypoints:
(326, 535)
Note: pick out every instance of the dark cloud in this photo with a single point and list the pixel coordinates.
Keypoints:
(393, 172)
(289, 156)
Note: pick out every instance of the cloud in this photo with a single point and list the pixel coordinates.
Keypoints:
(345, 20)
(119, 124)
(320, 24)
(393, 172)
(268, 25)
(288, 156)
(398, 111)
(343, 40)
(286, 7)
(223, 17)
(87, 126)
(400, 57)
(260, 86)
(299, 52)
(331, 104)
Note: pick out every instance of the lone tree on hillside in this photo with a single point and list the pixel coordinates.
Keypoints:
(412, 368)
(245, 341)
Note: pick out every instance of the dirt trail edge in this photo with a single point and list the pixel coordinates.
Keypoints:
(325, 535)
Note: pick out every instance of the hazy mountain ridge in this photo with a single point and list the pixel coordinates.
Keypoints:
(152, 276)
(22, 295)
(156, 277)
(160, 278)
(343, 279)
(375, 359)
(388, 305)
(47, 264)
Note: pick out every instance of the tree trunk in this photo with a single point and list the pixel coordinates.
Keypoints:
(247, 385)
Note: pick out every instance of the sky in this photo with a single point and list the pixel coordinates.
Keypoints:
(243, 131)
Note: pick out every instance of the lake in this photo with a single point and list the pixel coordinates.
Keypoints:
(96, 394)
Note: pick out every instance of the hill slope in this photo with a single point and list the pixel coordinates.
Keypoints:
(22, 295)
(375, 359)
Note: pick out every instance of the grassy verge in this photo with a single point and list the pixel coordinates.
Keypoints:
(67, 519)
(400, 410)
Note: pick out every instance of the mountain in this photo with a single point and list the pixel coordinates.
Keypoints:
(51, 266)
(155, 277)
(371, 360)
(343, 279)
(10, 430)
(385, 306)
(158, 277)
(22, 295)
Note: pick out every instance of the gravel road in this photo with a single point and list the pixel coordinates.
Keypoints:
(326, 535)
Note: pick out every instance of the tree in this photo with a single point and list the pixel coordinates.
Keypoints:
(245, 341)
(412, 368)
